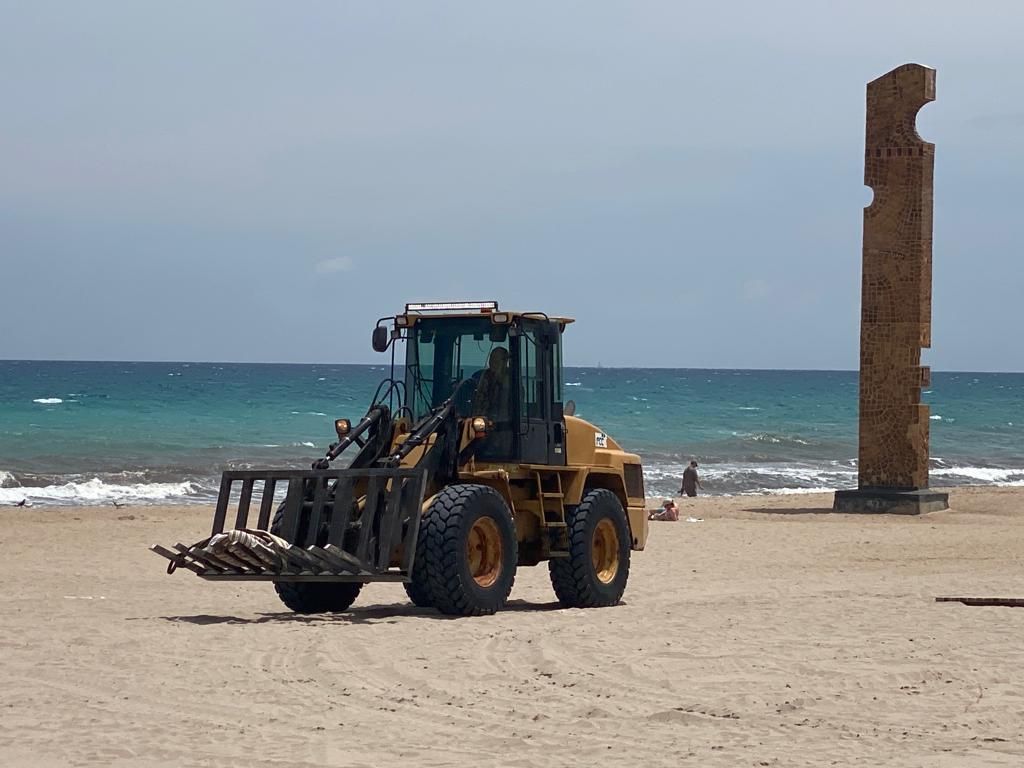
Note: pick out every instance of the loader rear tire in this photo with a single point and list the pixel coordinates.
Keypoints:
(469, 551)
(595, 573)
(313, 596)
(418, 589)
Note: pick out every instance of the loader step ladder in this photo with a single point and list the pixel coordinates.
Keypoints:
(555, 541)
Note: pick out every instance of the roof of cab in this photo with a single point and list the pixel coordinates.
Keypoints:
(473, 309)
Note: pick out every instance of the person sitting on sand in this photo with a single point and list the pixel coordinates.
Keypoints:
(690, 481)
(668, 512)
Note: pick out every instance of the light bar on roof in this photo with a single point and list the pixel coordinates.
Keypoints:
(453, 306)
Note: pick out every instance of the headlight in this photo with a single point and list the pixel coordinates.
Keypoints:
(342, 427)
(479, 425)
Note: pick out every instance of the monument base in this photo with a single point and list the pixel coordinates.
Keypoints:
(886, 501)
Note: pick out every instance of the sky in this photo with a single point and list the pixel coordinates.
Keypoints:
(260, 181)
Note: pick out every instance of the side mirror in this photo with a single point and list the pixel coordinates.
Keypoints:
(569, 409)
(381, 338)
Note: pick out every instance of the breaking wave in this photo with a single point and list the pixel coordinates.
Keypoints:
(773, 439)
(95, 491)
(985, 475)
(789, 478)
(48, 400)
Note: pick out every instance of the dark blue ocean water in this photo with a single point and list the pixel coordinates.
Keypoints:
(86, 432)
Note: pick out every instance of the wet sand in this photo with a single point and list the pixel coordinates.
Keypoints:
(768, 634)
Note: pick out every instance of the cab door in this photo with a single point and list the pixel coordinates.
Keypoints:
(541, 424)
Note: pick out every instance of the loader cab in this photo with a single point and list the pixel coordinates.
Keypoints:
(506, 367)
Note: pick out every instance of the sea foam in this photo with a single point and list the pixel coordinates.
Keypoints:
(984, 474)
(743, 478)
(48, 400)
(787, 491)
(96, 491)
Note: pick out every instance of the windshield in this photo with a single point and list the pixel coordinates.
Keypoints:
(472, 353)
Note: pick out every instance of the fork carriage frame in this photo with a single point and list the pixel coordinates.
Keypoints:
(332, 534)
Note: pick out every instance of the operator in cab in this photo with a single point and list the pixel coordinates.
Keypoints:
(491, 398)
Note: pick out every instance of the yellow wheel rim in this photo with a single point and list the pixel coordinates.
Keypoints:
(483, 551)
(604, 551)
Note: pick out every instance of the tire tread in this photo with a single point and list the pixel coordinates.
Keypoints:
(571, 577)
(314, 596)
(442, 540)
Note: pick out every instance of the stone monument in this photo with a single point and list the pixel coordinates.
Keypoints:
(896, 301)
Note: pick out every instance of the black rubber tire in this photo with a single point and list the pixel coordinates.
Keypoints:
(418, 589)
(575, 578)
(418, 594)
(443, 563)
(314, 596)
(318, 596)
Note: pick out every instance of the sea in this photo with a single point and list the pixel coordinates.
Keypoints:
(89, 433)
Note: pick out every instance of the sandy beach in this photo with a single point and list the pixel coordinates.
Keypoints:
(768, 634)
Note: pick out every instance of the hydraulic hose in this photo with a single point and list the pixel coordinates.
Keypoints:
(367, 421)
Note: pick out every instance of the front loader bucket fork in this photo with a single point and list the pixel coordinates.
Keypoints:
(324, 533)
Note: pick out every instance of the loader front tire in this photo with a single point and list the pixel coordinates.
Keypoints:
(595, 573)
(313, 596)
(418, 594)
(469, 551)
(318, 596)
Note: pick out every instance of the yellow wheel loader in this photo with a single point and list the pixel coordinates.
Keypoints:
(466, 466)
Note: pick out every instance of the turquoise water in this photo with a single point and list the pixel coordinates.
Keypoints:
(87, 432)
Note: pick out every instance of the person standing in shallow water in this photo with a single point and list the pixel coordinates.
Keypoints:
(691, 482)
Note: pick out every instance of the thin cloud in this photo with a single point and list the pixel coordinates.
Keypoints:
(995, 121)
(756, 288)
(340, 264)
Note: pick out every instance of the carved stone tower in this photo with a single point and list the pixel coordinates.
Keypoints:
(896, 301)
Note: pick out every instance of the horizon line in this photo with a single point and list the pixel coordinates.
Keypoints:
(375, 365)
